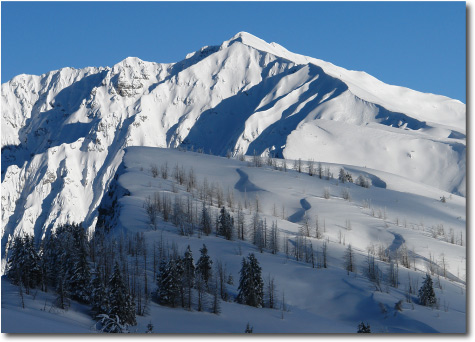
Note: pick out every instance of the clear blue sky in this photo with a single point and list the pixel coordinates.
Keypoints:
(418, 45)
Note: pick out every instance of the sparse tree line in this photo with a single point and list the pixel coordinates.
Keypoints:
(215, 217)
(222, 215)
(308, 167)
(281, 164)
(437, 231)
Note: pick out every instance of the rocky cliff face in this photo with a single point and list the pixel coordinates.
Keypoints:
(63, 133)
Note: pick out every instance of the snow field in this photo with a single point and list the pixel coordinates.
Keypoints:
(316, 299)
(310, 289)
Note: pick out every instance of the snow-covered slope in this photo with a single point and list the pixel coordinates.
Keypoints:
(63, 133)
(395, 215)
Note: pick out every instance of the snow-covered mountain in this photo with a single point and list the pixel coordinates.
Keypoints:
(64, 132)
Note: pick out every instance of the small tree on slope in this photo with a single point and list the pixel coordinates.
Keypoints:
(120, 301)
(364, 328)
(203, 266)
(99, 298)
(225, 224)
(426, 292)
(251, 286)
(188, 274)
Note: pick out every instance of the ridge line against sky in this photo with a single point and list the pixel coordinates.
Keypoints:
(419, 45)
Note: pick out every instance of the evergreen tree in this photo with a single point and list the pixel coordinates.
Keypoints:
(161, 285)
(120, 302)
(169, 282)
(364, 328)
(23, 266)
(99, 298)
(426, 292)
(274, 238)
(62, 288)
(251, 286)
(349, 259)
(15, 261)
(205, 220)
(342, 175)
(80, 277)
(203, 266)
(225, 224)
(320, 170)
(50, 257)
(216, 306)
(188, 274)
(240, 222)
(348, 177)
(362, 181)
(200, 291)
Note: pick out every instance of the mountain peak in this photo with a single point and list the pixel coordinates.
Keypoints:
(249, 40)
(130, 61)
(244, 35)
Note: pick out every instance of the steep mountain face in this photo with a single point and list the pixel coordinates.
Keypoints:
(63, 133)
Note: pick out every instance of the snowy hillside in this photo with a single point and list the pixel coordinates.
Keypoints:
(403, 225)
(64, 133)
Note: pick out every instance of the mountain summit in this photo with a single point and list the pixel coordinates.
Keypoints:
(64, 132)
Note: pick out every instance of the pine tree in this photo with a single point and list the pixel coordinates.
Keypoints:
(348, 177)
(24, 263)
(274, 238)
(188, 274)
(99, 298)
(270, 292)
(15, 261)
(362, 181)
(50, 255)
(120, 301)
(342, 175)
(62, 289)
(251, 286)
(203, 266)
(216, 307)
(80, 276)
(205, 220)
(260, 235)
(221, 278)
(225, 224)
(349, 259)
(426, 292)
(162, 274)
(240, 220)
(200, 291)
(170, 274)
(364, 328)
(320, 170)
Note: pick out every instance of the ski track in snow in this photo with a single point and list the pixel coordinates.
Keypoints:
(244, 184)
(299, 214)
